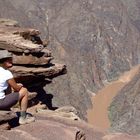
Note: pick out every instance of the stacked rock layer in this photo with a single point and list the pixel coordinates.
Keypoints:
(31, 58)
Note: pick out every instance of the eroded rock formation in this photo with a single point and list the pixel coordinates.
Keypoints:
(31, 58)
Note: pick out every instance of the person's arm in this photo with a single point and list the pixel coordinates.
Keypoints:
(14, 85)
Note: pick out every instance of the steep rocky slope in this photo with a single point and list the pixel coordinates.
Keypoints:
(99, 115)
(124, 110)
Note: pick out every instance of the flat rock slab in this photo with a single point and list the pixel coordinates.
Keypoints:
(59, 114)
(30, 59)
(44, 130)
(51, 129)
(33, 71)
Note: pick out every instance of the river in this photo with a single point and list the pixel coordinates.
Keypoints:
(98, 115)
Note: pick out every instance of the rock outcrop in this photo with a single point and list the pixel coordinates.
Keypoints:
(31, 58)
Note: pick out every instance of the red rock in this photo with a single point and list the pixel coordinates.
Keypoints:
(40, 71)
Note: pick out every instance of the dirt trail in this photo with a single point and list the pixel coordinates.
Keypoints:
(98, 115)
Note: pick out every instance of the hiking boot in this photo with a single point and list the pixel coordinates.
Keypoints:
(26, 120)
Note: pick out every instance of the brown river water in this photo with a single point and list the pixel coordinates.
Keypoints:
(98, 115)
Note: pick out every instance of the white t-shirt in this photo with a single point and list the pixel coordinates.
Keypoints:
(4, 76)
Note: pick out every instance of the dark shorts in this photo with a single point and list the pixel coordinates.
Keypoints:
(9, 101)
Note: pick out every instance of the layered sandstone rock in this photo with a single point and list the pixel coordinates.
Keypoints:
(30, 55)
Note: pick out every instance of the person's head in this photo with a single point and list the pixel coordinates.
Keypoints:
(5, 59)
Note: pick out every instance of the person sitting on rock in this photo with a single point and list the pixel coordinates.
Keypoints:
(20, 93)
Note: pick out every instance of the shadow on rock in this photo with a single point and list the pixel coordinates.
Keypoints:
(43, 97)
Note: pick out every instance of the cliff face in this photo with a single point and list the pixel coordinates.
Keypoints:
(96, 39)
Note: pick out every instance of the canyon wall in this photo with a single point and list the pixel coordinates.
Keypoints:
(32, 66)
(124, 110)
(97, 40)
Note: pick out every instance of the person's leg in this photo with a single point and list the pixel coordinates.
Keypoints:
(23, 100)
(9, 101)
